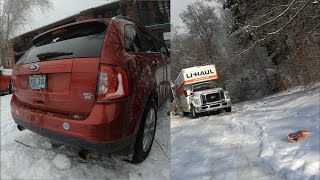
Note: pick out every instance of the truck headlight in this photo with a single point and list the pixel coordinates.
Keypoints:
(196, 101)
(226, 95)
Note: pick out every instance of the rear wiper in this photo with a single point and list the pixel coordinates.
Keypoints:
(47, 55)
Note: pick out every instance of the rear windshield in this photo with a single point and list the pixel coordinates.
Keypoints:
(78, 41)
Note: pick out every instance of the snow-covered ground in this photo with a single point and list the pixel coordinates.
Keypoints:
(251, 142)
(40, 158)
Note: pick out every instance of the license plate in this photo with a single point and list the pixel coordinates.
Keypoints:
(37, 81)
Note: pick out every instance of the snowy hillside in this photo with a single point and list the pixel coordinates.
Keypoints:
(251, 142)
(40, 158)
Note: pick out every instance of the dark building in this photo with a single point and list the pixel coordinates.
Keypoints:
(155, 15)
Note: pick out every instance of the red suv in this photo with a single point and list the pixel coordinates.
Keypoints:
(95, 85)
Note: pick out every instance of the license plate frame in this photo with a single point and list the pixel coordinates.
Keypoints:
(37, 82)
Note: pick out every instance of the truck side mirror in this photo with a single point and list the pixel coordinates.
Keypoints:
(187, 93)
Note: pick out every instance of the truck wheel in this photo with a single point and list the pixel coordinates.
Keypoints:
(228, 109)
(185, 113)
(146, 132)
(194, 113)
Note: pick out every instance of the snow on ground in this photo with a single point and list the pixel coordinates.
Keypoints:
(40, 158)
(251, 142)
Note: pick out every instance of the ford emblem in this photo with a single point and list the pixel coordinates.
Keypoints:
(34, 67)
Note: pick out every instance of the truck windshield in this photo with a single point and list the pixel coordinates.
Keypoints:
(203, 86)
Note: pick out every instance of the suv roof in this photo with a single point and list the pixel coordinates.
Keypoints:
(103, 20)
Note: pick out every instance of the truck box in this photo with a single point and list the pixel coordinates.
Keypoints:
(195, 75)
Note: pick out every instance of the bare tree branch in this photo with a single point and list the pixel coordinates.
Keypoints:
(277, 31)
(14, 14)
(190, 58)
(280, 15)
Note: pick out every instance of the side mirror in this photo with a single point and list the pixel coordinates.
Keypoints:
(187, 93)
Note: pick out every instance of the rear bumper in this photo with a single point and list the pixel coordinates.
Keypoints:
(122, 147)
(106, 129)
(213, 106)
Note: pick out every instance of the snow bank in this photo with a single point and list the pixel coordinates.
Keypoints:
(251, 142)
(290, 113)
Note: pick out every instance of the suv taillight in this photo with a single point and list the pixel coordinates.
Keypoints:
(112, 83)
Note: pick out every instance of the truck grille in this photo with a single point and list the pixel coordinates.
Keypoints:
(213, 97)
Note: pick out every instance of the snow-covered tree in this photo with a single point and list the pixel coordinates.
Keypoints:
(288, 29)
(14, 14)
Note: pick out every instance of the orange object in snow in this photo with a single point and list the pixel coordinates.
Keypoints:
(298, 136)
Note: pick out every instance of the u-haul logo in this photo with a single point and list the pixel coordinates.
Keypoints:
(200, 73)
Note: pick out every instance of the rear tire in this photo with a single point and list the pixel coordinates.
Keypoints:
(228, 109)
(146, 132)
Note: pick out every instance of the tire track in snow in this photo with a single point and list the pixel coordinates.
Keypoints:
(250, 158)
(235, 143)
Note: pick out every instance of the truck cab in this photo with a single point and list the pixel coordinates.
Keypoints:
(206, 97)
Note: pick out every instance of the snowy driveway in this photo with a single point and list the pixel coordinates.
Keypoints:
(251, 142)
(39, 158)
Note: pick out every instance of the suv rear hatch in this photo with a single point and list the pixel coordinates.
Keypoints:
(59, 73)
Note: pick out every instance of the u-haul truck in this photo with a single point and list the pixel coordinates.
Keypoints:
(197, 91)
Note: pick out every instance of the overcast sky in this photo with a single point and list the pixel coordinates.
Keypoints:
(61, 9)
(177, 6)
